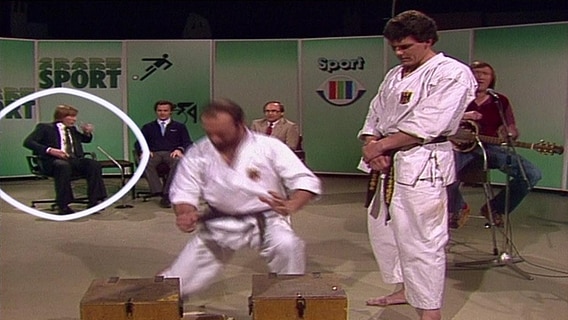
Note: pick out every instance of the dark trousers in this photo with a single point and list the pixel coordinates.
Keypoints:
(64, 171)
(152, 175)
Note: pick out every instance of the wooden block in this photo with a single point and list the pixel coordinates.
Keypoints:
(314, 296)
(132, 299)
(200, 315)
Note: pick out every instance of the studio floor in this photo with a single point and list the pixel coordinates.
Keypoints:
(47, 266)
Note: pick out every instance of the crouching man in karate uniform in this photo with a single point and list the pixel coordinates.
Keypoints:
(251, 184)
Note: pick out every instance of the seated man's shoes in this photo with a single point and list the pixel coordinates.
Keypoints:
(464, 215)
(165, 202)
(495, 216)
(65, 210)
(453, 221)
(92, 204)
(458, 220)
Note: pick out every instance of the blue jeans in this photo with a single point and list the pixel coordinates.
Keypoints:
(498, 157)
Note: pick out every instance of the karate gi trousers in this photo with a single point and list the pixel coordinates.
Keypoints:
(410, 247)
(206, 253)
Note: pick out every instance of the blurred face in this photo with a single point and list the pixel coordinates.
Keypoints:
(272, 112)
(163, 111)
(222, 131)
(69, 120)
(484, 76)
(411, 53)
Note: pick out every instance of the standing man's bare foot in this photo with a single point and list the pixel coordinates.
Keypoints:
(434, 314)
(392, 299)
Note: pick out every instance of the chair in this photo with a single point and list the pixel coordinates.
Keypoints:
(163, 172)
(475, 175)
(300, 150)
(125, 167)
(479, 174)
(34, 164)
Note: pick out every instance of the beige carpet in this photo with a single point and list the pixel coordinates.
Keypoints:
(46, 266)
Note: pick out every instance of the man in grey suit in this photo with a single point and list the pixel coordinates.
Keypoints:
(274, 124)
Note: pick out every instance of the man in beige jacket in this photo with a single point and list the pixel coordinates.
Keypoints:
(274, 124)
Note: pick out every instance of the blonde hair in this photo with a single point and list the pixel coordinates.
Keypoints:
(63, 110)
(477, 64)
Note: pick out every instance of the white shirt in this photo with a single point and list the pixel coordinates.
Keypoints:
(261, 164)
(62, 136)
(427, 103)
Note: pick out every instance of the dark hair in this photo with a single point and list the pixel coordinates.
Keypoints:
(224, 106)
(411, 23)
(481, 64)
(276, 102)
(64, 110)
(162, 102)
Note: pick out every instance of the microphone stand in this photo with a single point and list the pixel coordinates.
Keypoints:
(123, 205)
(505, 257)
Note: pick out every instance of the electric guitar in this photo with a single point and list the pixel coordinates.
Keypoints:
(465, 140)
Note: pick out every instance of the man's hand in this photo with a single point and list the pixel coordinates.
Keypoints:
(176, 154)
(58, 153)
(87, 128)
(381, 163)
(503, 132)
(371, 150)
(187, 217)
(380, 151)
(472, 115)
(285, 206)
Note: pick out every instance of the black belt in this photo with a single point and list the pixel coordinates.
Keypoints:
(374, 177)
(438, 140)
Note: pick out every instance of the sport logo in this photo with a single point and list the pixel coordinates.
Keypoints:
(341, 90)
(158, 63)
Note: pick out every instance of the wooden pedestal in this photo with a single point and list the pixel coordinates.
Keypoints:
(132, 299)
(290, 297)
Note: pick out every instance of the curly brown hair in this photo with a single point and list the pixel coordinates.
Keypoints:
(411, 23)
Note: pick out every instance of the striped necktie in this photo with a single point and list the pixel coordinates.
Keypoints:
(269, 129)
(68, 142)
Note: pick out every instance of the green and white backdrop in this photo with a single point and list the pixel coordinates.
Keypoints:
(326, 85)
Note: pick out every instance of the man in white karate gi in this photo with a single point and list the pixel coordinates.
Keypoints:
(237, 189)
(419, 104)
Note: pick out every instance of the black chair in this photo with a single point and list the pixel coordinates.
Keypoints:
(125, 167)
(300, 153)
(163, 172)
(35, 167)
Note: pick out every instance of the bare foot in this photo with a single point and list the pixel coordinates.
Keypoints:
(434, 314)
(392, 299)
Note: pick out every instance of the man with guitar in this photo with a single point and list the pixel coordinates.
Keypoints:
(484, 114)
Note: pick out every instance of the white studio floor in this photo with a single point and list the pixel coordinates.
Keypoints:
(47, 266)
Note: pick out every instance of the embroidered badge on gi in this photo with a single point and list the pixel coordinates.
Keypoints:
(405, 97)
(253, 174)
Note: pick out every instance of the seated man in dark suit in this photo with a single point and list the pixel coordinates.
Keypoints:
(167, 140)
(59, 147)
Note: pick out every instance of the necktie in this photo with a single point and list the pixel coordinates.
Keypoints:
(163, 127)
(68, 142)
(269, 129)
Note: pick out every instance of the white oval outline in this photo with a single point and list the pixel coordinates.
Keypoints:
(131, 182)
